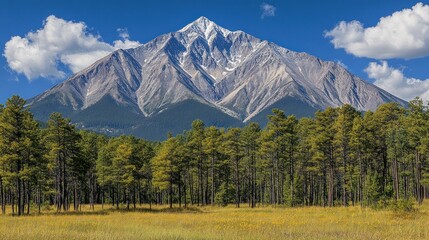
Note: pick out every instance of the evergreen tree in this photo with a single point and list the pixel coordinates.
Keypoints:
(343, 127)
(62, 141)
(233, 149)
(19, 152)
(250, 135)
(123, 170)
(359, 154)
(417, 127)
(338, 157)
(306, 168)
(195, 141)
(323, 153)
(164, 166)
(211, 146)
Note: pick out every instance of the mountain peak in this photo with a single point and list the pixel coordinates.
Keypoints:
(204, 71)
(203, 20)
(204, 27)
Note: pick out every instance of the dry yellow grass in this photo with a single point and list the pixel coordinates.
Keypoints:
(221, 223)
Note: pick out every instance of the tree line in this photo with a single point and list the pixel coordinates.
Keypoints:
(338, 157)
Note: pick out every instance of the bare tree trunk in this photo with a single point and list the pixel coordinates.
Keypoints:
(186, 180)
(331, 179)
(150, 194)
(213, 181)
(127, 192)
(191, 186)
(171, 195)
(395, 177)
(180, 195)
(12, 199)
(206, 188)
(237, 180)
(292, 171)
(75, 197)
(28, 198)
(345, 200)
(39, 200)
(200, 182)
(134, 196)
(19, 189)
(102, 196)
(117, 196)
(2, 197)
(417, 177)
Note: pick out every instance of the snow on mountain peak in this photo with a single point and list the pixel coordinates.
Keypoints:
(204, 27)
(231, 72)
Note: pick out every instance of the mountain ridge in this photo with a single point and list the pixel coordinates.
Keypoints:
(230, 71)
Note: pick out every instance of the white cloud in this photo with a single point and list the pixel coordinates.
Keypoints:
(123, 33)
(267, 10)
(125, 43)
(394, 81)
(80, 60)
(404, 34)
(40, 53)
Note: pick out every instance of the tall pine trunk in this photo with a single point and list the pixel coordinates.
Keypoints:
(2, 197)
(213, 180)
(237, 183)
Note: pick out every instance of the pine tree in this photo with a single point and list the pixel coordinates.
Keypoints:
(90, 146)
(291, 140)
(359, 147)
(233, 149)
(19, 152)
(194, 143)
(143, 152)
(165, 166)
(417, 127)
(250, 135)
(379, 123)
(62, 141)
(397, 151)
(103, 168)
(268, 155)
(122, 169)
(343, 127)
(211, 146)
(323, 153)
(307, 169)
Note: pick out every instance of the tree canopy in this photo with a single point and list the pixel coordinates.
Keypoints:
(339, 157)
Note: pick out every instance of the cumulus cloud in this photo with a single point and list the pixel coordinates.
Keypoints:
(267, 10)
(394, 81)
(404, 34)
(59, 42)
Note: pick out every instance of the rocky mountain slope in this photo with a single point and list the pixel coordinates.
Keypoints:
(225, 78)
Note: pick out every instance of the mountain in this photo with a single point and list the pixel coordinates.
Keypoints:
(226, 78)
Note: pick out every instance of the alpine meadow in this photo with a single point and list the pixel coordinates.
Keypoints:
(211, 127)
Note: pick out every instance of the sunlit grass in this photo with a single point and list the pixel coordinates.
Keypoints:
(220, 223)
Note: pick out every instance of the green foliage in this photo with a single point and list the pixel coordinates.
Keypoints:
(402, 205)
(20, 150)
(122, 169)
(165, 164)
(339, 157)
(225, 194)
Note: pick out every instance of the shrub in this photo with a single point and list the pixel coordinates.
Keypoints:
(401, 205)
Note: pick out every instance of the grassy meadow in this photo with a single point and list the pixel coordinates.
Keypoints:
(220, 223)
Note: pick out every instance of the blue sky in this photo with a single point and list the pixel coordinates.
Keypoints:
(395, 63)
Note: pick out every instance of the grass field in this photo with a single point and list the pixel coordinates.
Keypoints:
(221, 223)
